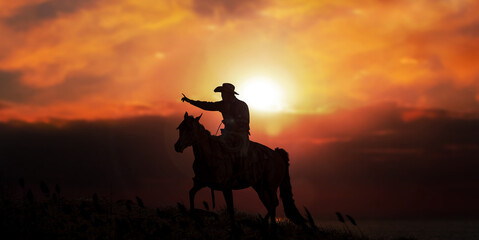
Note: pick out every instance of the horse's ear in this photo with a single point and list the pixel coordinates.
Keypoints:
(199, 117)
(186, 115)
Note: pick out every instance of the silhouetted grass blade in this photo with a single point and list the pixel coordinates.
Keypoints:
(340, 217)
(96, 202)
(158, 212)
(30, 197)
(310, 219)
(44, 188)
(76, 219)
(95, 198)
(351, 219)
(57, 188)
(140, 202)
(128, 205)
(181, 207)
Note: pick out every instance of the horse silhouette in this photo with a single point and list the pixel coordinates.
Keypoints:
(264, 169)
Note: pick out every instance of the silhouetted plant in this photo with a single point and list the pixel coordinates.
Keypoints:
(57, 189)
(67, 209)
(310, 219)
(97, 222)
(158, 213)
(95, 198)
(341, 219)
(44, 189)
(30, 197)
(181, 207)
(122, 227)
(351, 219)
(83, 228)
(140, 202)
(74, 219)
(128, 205)
(96, 202)
(259, 218)
(83, 211)
(205, 204)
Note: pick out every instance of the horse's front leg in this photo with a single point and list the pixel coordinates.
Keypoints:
(228, 194)
(196, 187)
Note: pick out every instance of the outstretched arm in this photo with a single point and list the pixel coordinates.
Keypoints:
(208, 106)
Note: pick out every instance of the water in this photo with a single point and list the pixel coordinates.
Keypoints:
(420, 229)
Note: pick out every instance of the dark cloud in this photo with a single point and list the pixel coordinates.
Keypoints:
(471, 30)
(444, 94)
(3, 106)
(451, 97)
(31, 15)
(130, 156)
(386, 167)
(73, 88)
(434, 63)
(12, 90)
(141, 107)
(226, 9)
(421, 168)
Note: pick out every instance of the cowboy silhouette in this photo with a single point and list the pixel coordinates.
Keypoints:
(235, 117)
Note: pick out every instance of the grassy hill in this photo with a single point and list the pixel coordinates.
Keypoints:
(47, 214)
(100, 218)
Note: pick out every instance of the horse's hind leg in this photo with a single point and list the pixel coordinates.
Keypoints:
(228, 194)
(196, 187)
(273, 196)
(270, 200)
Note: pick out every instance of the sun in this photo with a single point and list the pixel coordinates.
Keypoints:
(262, 94)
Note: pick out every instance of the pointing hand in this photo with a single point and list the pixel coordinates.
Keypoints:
(184, 98)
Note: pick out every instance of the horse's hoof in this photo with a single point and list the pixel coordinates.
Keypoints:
(236, 232)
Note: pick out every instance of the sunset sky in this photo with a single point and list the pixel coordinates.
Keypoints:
(102, 59)
(372, 84)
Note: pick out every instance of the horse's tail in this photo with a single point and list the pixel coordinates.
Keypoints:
(286, 193)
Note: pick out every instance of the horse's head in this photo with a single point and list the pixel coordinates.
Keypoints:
(188, 132)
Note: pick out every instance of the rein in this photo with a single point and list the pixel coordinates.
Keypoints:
(216, 134)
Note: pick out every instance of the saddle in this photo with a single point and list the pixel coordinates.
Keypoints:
(235, 143)
(240, 159)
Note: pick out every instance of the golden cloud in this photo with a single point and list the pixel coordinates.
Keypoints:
(329, 55)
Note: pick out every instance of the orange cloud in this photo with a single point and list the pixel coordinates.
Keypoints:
(416, 114)
(330, 55)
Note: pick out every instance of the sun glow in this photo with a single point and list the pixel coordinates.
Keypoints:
(262, 94)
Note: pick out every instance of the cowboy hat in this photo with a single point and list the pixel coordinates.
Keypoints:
(226, 87)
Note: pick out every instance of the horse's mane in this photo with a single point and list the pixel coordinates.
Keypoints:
(202, 128)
